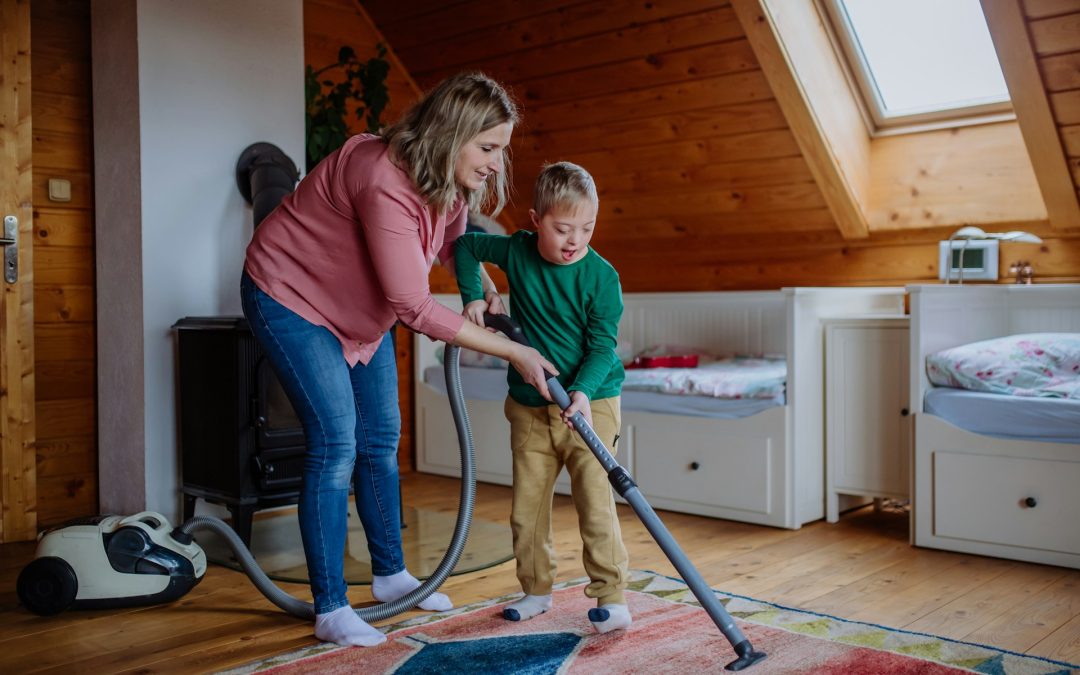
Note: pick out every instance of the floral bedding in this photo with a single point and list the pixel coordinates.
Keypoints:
(1033, 364)
(740, 377)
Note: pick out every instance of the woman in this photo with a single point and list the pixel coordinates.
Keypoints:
(329, 272)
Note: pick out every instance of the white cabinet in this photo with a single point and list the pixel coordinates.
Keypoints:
(867, 422)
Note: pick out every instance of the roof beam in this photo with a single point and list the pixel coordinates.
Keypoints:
(1008, 29)
(792, 45)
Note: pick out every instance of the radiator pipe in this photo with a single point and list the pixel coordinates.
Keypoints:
(265, 174)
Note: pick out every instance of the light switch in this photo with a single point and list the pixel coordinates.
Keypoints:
(59, 190)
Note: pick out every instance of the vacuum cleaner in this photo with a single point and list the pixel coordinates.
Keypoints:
(114, 561)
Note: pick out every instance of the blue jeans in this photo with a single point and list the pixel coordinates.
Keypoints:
(351, 427)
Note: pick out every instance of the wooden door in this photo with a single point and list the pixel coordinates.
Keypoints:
(18, 488)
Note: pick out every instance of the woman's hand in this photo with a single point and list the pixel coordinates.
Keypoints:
(525, 360)
(579, 402)
(474, 311)
(531, 365)
(492, 304)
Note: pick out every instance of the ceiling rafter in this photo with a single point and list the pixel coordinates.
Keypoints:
(1008, 29)
(793, 48)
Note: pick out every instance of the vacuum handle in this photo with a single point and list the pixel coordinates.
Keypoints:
(508, 327)
(147, 518)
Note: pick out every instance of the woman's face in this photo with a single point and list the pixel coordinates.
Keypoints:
(482, 156)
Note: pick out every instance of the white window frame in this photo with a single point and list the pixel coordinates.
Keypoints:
(842, 35)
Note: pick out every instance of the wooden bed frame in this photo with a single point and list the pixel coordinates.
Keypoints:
(971, 491)
(766, 469)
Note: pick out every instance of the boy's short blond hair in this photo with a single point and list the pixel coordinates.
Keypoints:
(563, 185)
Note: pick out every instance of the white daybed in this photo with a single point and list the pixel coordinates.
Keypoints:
(1007, 497)
(767, 468)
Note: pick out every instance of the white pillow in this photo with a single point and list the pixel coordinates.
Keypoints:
(1032, 364)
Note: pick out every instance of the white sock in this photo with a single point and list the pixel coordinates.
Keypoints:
(527, 607)
(388, 589)
(607, 618)
(346, 628)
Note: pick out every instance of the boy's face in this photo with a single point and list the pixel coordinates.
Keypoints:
(564, 232)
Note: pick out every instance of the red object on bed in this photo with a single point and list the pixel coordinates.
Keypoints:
(674, 361)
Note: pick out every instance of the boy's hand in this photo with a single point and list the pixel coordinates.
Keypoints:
(579, 402)
(494, 302)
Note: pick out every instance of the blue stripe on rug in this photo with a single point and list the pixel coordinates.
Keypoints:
(541, 654)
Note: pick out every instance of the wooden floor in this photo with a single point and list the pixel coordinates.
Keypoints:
(861, 568)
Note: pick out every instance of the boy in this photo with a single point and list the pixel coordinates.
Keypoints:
(568, 301)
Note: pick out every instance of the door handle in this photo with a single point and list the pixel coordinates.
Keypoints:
(10, 242)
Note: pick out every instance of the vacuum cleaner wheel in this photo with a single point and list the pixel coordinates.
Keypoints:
(47, 586)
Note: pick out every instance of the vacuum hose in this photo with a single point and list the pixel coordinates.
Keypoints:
(306, 610)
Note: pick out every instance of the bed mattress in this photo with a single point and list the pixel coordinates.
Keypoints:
(1055, 420)
(489, 384)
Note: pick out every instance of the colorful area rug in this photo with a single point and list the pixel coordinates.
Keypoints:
(670, 634)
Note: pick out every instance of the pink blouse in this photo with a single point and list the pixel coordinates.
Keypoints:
(351, 249)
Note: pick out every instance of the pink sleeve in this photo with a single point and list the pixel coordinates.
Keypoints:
(454, 229)
(392, 233)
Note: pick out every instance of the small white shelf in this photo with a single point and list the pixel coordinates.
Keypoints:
(867, 420)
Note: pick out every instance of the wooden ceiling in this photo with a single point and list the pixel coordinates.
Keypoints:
(663, 102)
(707, 180)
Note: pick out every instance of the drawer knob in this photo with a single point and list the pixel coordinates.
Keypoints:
(905, 412)
(1030, 502)
(694, 466)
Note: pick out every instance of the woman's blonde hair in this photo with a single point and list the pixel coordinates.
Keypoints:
(428, 138)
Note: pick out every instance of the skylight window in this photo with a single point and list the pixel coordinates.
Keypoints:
(920, 61)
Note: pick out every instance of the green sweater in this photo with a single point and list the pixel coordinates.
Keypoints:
(570, 313)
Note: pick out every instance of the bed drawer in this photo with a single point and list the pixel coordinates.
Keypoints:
(1028, 503)
(710, 468)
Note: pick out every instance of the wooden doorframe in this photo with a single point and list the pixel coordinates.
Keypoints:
(18, 474)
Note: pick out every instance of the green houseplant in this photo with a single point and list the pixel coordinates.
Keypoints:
(327, 100)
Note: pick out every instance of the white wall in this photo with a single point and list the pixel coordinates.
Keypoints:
(213, 77)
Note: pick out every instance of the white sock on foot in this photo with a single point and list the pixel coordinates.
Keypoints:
(346, 628)
(388, 589)
(527, 607)
(607, 618)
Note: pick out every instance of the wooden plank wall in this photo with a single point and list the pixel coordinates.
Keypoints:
(63, 262)
(702, 184)
(1054, 28)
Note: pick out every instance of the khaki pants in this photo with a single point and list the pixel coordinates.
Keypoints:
(542, 444)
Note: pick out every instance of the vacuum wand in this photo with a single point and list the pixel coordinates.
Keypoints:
(625, 486)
